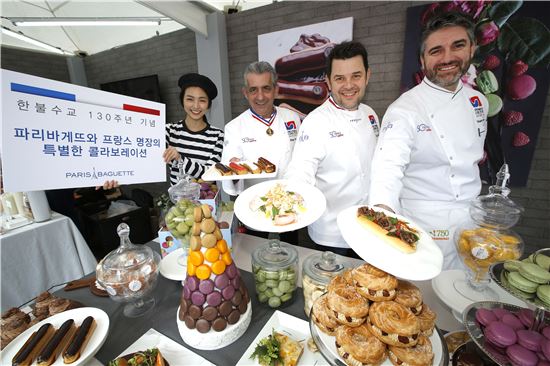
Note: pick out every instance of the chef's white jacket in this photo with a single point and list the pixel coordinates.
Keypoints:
(426, 161)
(334, 152)
(246, 139)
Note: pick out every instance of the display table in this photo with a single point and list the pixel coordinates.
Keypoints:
(124, 331)
(40, 255)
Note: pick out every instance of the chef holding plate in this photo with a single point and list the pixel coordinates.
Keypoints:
(425, 165)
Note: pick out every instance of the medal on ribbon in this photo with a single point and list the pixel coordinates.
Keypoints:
(265, 121)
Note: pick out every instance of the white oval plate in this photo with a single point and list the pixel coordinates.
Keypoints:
(171, 269)
(212, 174)
(94, 344)
(329, 343)
(424, 264)
(314, 202)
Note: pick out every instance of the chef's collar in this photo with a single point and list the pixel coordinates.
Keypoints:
(338, 106)
(435, 87)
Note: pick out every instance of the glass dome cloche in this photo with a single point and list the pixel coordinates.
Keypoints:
(488, 238)
(129, 274)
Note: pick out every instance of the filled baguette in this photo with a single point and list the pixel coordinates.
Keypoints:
(223, 169)
(266, 165)
(394, 231)
(250, 169)
(33, 346)
(237, 168)
(57, 343)
(80, 339)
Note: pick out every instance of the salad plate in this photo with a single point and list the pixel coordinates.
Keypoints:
(262, 206)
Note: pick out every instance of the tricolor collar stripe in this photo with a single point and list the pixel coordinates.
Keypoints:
(265, 121)
(331, 100)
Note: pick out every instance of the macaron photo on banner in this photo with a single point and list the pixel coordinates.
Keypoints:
(59, 135)
(299, 57)
(510, 67)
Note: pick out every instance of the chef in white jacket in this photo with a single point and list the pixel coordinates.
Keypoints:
(263, 130)
(336, 143)
(426, 162)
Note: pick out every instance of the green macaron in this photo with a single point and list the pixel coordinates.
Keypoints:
(543, 261)
(495, 104)
(517, 281)
(534, 273)
(543, 293)
(487, 82)
(512, 265)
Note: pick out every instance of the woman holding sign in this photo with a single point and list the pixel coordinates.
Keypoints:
(193, 140)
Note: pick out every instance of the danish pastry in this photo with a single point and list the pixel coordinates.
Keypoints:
(343, 279)
(348, 306)
(426, 320)
(419, 355)
(323, 316)
(358, 346)
(393, 324)
(373, 283)
(409, 296)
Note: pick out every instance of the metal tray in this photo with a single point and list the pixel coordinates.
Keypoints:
(496, 271)
(335, 360)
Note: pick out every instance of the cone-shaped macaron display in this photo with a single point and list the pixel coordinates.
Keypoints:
(214, 295)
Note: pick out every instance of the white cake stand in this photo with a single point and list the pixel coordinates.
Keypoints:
(444, 287)
(212, 339)
(171, 266)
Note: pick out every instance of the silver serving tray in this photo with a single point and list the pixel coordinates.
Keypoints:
(496, 271)
(335, 360)
(469, 321)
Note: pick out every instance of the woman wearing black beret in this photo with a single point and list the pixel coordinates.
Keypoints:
(193, 140)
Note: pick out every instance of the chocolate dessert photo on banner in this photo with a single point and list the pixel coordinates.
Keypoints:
(299, 56)
(510, 67)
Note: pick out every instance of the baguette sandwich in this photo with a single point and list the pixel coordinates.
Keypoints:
(392, 230)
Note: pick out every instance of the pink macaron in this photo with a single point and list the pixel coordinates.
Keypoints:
(485, 316)
(512, 321)
(521, 356)
(527, 316)
(500, 312)
(500, 334)
(545, 348)
(530, 339)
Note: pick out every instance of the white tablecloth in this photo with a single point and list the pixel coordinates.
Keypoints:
(38, 256)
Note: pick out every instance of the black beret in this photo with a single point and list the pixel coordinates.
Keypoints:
(203, 82)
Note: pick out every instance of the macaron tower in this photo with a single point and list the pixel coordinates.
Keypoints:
(215, 307)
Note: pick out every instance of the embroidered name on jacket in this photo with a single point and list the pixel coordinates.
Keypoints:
(248, 139)
(423, 128)
(334, 134)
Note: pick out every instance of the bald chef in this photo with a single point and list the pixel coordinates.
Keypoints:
(426, 162)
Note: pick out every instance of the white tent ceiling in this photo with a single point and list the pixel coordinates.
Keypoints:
(178, 14)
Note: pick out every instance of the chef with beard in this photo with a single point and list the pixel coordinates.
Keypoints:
(425, 164)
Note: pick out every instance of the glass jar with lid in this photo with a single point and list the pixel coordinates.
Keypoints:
(275, 267)
(488, 238)
(129, 274)
(317, 271)
(180, 218)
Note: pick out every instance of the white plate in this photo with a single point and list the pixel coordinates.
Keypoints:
(170, 268)
(294, 327)
(212, 174)
(94, 344)
(443, 286)
(328, 341)
(424, 264)
(314, 202)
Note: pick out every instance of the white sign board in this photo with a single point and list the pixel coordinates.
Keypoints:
(60, 135)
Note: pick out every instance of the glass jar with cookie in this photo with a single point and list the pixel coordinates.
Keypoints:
(488, 238)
